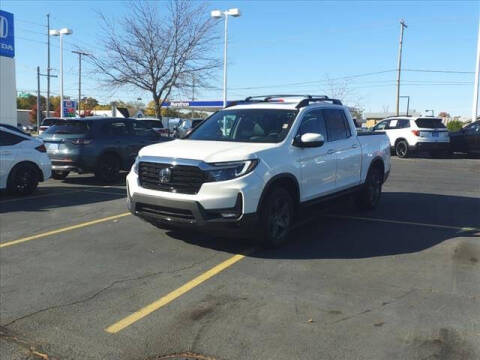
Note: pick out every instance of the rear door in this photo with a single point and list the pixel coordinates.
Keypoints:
(472, 137)
(346, 146)
(9, 147)
(317, 164)
(117, 136)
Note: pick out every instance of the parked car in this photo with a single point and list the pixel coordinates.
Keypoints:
(185, 126)
(47, 122)
(103, 146)
(23, 162)
(415, 134)
(13, 128)
(251, 166)
(466, 140)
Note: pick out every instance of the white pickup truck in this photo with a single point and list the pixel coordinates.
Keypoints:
(249, 167)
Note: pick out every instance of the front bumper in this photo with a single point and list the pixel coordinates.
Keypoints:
(217, 209)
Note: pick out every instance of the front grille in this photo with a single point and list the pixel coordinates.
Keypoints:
(165, 212)
(185, 179)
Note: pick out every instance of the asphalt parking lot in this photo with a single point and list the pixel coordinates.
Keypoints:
(83, 279)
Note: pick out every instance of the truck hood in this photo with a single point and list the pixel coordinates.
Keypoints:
(208, 151)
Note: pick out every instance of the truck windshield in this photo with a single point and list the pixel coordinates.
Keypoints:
(246, 125)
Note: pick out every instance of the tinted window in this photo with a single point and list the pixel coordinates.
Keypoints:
(153, 123)
(246, 125)
(336, 124)
(141, 129)
(312, 123)
(430, 123)
(70, 127)
(13, 128)
(403, 124)
(7, 138)
(115, 128)
(50, 122)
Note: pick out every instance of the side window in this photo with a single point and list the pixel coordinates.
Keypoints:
(403, 124)
(313, 123)
(140, 129)
(336, 124)
(7, 139)
(382, 125)
(115, 128)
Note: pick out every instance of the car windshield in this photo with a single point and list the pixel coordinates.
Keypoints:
(70, 127)
(246, 125)
(430, 123)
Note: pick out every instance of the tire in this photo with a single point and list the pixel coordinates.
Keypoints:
(23, 180)
(108, 168)
(59, 175)
(401, 149)
(276, 216)
(371, 192)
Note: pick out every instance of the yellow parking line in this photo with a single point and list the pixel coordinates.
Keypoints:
(57, 231)
(459, 228)
(129, 320)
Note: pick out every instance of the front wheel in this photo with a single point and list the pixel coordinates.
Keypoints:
(23, 180)
(369, 196)
(401, 149)
(277, 217)
(59, 175)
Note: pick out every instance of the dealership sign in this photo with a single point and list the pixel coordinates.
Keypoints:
(7, 42)
(69, 107)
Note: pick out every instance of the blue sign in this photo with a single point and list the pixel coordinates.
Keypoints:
(7, 38)
(69, 107)
(186, 104)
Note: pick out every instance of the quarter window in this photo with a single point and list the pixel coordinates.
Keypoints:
(7, 139)
(336, 124)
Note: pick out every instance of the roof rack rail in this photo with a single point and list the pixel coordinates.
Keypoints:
(307, 99)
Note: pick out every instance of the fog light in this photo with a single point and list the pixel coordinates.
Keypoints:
(229, 215)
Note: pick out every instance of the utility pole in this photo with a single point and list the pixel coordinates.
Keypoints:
(48, 65)
(477, 72)
(79, 53)
(402, 26)
(39, 110)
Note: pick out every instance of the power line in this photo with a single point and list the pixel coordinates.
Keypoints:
(440, 71)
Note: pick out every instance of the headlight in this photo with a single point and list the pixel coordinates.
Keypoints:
(231, 170)
(135, 165)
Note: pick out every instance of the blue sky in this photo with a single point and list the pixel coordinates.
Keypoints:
(289, 47)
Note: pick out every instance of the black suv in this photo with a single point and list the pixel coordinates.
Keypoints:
(103, 146)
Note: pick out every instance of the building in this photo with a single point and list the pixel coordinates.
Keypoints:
(372, 118)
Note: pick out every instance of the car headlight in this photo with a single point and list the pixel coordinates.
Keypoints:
(135, 165)
(231, 170)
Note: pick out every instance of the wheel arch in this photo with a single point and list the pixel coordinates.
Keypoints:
(29, 163)
(377, 162)
(286, 180)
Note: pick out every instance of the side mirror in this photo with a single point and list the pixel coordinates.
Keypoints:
(308, 140)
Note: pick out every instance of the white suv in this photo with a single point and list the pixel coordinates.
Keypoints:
(23, 162)
(415, 134)
(252, 165)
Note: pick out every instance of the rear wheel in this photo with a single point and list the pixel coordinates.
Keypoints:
(108, 168)
(276, 217)
(401, 149)
(23, 180)
(369, 196)
(59, 175)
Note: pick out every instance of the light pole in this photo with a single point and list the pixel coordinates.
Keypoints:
(218, 14)
(60, 33)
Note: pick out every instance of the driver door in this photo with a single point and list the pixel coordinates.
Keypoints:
(318, 164)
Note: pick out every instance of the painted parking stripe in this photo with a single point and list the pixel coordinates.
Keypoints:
(459, 228)
(61, 230)
(145, 311)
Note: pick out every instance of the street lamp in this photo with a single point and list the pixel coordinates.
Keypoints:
(60, 33)
(218, 14)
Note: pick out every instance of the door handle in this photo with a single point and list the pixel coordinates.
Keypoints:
(330, 151)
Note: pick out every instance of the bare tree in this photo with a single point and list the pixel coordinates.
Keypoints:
(158, 53)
